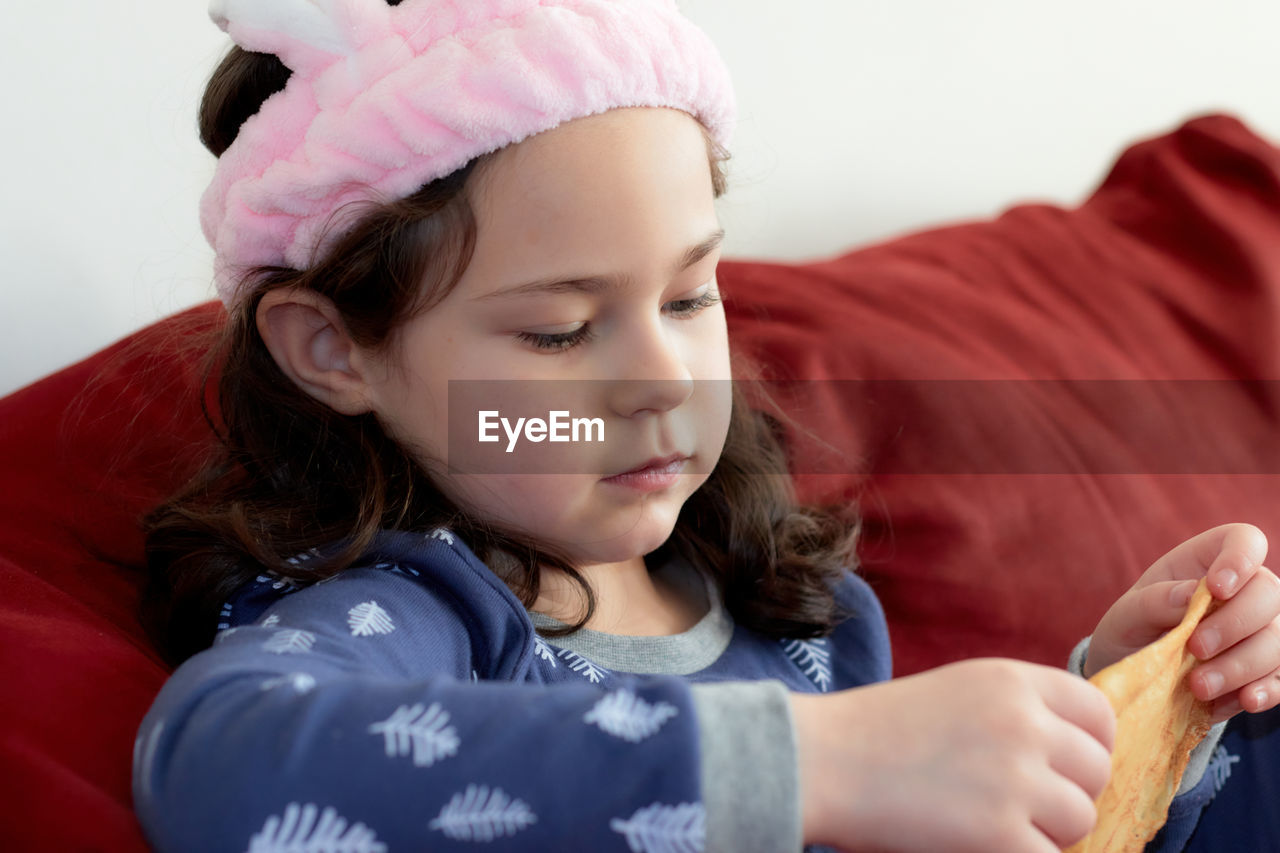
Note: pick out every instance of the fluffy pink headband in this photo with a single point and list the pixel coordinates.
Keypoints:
(384, 99)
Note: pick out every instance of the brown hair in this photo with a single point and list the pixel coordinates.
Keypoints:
(290, 474)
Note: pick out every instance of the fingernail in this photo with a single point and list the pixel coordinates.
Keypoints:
(1213, 682)
(1227, 581)
(1260, 698)
(1209, 640)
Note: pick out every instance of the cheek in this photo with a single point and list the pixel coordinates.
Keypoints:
(713, 410)
(564, 511)
(418, 425)
(501, 500)
(713, 400)
(711, 357)
(411, 400)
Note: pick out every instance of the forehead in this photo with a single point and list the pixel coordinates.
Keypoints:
(630, 178)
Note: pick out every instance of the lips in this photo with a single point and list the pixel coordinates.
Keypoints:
(657, 463)
(655, 476)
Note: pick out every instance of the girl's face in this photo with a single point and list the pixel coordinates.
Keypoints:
(591, 292)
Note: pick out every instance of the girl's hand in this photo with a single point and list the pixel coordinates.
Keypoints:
(976, 756)
(1239, 642)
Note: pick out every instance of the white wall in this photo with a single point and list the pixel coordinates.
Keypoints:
(859, 120)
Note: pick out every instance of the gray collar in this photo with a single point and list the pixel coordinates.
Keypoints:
(676, 654)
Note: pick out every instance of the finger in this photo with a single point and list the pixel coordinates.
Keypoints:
(1156, 609)
(1249, 661)
(1240, 554)
(1228, 555)
(1261, 695)
(1225, 708)
(1081, 759)
(1248, 612)
(1078, 702)
(1062, 811)
(1026, 838)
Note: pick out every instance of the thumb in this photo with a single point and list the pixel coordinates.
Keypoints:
(1139, 618)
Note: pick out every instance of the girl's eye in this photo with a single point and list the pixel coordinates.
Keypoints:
(558, 341)
(689, 307)
(561, 341)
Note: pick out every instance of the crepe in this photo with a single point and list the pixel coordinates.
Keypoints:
(1159, 722)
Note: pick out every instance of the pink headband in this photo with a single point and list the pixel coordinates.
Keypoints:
(384, 99)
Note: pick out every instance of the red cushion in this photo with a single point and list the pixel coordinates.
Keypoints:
(974, 538)
(82, 454)
(1003, 515)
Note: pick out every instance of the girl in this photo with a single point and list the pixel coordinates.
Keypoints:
(432, 216)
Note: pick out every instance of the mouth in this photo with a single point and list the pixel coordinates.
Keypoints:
(656, 463)
(653, 475)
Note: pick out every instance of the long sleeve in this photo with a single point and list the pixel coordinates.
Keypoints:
(751, 779)
(361, 711)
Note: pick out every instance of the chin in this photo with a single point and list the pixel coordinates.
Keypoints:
(631, 540)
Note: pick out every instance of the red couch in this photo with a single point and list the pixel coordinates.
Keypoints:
(1032, 409)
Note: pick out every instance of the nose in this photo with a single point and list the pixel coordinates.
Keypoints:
(652, 374)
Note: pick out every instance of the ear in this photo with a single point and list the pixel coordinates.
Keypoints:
(305, 335)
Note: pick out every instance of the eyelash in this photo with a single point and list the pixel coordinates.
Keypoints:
(681, 308)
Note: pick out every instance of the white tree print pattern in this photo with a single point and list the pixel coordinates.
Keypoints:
(543, 650)
(479, 814)
(814, 659)
(665, 829)
(290, 641)
(280, 584)
(582, 666)
(426, 733)
(1220, 766)
(224, 617)
(297, 831)
(368, 618)
(625, 715)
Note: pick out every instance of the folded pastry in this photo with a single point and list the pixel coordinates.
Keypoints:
(1159, 722)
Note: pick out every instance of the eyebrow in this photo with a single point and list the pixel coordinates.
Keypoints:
(601, 284)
